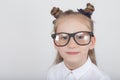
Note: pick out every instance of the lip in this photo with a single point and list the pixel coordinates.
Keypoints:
(72, 53)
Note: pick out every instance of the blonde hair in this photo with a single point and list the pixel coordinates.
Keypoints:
(59, 14)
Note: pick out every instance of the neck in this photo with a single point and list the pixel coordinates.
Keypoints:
(73, 66)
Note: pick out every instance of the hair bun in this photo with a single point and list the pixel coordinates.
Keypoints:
(56, 12)
(88, 10)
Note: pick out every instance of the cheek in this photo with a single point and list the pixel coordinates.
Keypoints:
(85, 49)
(60, 49)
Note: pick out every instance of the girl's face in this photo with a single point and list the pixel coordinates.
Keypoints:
(73, 54)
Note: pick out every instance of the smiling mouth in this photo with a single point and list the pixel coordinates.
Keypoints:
(72, 53)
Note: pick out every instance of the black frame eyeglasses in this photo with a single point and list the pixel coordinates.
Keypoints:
(81, 38)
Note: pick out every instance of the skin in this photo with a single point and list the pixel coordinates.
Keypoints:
(73, 54)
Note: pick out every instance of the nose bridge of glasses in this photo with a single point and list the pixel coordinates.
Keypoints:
(71, 35)
(71, 38)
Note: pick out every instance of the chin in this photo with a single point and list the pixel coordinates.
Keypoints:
(73, 60)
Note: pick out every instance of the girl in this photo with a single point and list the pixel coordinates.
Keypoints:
(74, 40)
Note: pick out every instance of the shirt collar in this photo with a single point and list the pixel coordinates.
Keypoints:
(77, 73)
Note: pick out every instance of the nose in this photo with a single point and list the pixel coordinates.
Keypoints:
(72, 43)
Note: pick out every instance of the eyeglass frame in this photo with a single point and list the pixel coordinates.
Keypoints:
(72, 35)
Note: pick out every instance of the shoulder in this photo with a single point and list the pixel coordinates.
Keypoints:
(55, 69)
(99, 73)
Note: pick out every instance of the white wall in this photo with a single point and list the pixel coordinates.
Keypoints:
(26, 48)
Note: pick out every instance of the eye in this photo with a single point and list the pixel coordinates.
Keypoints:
(80, 37)
(63, 37)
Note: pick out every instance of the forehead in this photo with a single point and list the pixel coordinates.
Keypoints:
(72, 24)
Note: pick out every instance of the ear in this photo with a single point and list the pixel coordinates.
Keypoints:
(92, 43)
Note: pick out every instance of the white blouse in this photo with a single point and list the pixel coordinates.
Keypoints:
(88, 71)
